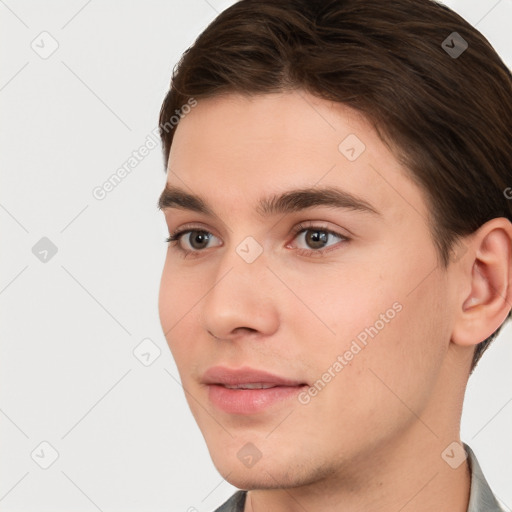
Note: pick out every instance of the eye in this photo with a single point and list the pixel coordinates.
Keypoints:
(316, 239)
(193, 240)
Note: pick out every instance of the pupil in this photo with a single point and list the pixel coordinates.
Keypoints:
(316, 239)
(199, 240)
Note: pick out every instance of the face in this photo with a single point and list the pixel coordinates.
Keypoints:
(300, 249)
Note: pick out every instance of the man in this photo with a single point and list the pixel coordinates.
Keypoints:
(340, 249)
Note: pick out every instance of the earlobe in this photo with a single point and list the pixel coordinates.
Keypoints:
(489, 301)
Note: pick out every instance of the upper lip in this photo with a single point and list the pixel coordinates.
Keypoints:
(245, 375)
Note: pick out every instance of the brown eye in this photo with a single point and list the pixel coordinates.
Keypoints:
(316, 239)
(193, 240)
(198, 239)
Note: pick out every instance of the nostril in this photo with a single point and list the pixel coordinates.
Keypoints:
(247, 329)
(237, 330)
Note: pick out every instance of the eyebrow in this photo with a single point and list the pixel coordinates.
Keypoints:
(287, 202)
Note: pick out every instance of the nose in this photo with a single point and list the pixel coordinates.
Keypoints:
(241, 299)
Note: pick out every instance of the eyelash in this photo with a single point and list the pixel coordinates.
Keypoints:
(174, 238)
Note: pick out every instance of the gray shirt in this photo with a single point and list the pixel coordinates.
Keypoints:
(481, 498)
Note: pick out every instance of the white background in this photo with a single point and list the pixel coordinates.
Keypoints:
(125, 437)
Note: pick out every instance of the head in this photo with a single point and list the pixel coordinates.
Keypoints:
(338, 197)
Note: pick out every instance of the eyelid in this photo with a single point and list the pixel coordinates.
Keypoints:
(320, 226)
(176, 234)
(191, 226)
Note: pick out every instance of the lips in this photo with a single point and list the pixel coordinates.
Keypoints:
(246, 377)
(249, 391)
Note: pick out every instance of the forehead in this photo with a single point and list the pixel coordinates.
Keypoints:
(236, 149)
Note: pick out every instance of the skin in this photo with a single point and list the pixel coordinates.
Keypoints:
(372, 438)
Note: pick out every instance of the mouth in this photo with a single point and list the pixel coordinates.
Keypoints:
(255, 385)
(249, 391)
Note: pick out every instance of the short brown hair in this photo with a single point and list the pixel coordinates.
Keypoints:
(446, 116)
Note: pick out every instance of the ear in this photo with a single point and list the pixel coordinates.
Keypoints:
(486, 271)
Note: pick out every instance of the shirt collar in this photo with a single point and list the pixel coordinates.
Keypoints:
(481, 497)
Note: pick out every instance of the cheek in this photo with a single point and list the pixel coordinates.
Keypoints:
(177, 298)
(397, 367)
(167, 299)
(390, 329)
(336, 304)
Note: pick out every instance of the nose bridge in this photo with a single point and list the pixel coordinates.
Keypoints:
(243, 264)
(241, 269)
(239, 296)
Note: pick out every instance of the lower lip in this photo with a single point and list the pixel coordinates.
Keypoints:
(249, 401)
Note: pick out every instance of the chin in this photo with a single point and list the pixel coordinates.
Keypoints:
(267, 473)
(250, 479)
(249, 482)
